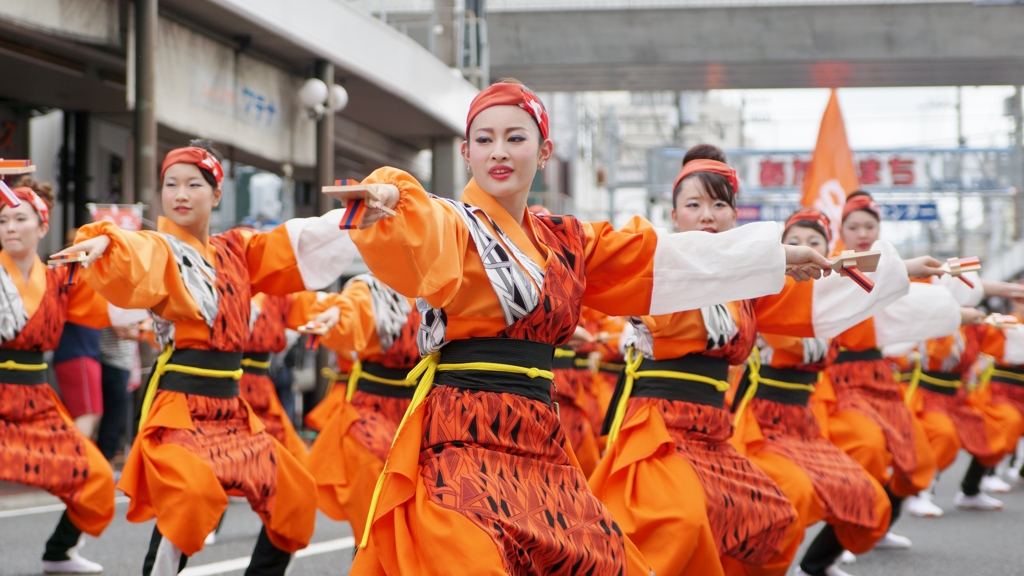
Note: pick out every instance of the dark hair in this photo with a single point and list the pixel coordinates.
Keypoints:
(209, 147)
(809, 224)
(42, 189)
(716, 185)
(867, 194)
(859, 193)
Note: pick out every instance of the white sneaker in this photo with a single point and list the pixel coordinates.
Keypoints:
(922, 506)
(994, 484)
(1013, 475)
(847, 557)
(211, 539)
(893, 542)
(832, 570)
(75, 564)
(979, 501)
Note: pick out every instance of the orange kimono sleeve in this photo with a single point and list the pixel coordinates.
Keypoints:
(138, 271)
(419, 252)
(300, 308)
(993, 342)
(87, 307)
(356, 328)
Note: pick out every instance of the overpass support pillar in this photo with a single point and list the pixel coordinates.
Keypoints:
(448, 172)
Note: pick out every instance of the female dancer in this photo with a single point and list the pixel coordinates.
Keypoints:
(1000, 392)
(199, 440)
(478, 480)
(866, 415)
(41, 446)
(670, 432)
(776, 429)
(378, 326)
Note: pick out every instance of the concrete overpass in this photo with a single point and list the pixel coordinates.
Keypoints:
(938, 43)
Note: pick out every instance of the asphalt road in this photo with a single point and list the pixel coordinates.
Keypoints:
(958, 544)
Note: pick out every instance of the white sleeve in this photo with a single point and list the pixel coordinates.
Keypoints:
(964, 294)
(322, 250)
(839, 303)
(927, 311)
(1013, 348)
(899, 350)
(697, 269)
(125, 317)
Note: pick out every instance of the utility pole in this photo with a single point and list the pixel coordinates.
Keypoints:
(1018, 162)
(145, 105)
(324, 177)
(613, 160)
(959, 172)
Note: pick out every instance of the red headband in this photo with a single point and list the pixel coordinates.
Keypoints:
(712, 166)
(862, 202)
(506, 94)
(811, 215)
(194, 155)
(27, 194)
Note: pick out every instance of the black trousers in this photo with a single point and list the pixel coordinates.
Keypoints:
(267, 559)
(65, 536)
(115, 410)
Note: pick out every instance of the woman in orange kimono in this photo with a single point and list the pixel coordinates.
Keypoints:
(479, 480)
(41, 446)
(670, 430)
(1000, 392)
(199, 441)
(776, 429)
(859, 396)
(378, 326)
(270, 316)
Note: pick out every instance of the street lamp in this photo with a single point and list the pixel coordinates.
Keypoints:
(314, 97)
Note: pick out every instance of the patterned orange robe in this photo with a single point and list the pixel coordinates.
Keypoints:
(195, 450)
(39, 443)
(787, 443)
(274, 314)
(491, 470)
(349, 452)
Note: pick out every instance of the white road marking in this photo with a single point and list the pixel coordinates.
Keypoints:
(242, 563)
(48, 508)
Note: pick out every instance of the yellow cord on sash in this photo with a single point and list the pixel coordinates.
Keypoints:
(250, 363)
(632, 364)
(562, 353)
(754, 375)
(12, 365)
(423, 375)
(332, 379)
(918, 376)
(358, 374)
(162, 367)
(986, 376)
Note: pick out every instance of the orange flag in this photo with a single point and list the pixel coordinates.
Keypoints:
(831, 176)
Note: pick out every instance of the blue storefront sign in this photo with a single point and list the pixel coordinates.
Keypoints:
(780, 212)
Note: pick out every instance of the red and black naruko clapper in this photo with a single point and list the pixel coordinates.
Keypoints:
(314, 331)
(12, 168)
(956, 267)
(355, 197)
(853, 265)
(69, 260)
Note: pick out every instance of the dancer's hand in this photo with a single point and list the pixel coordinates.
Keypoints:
(580, 336)
(971, 316)
(387, 195)
(328, 318)
(93, 249)
(804, 263)
(923, 267)
(1003, 289)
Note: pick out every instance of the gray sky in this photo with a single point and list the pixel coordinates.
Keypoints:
(876, 117)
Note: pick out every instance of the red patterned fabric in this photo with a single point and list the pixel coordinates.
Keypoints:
(1011, 394)
(404, 354)
(230, 331)
(260, 393)
(868, 387)
(969, 423)
(842, 484)
(747, 511)
(37, 446)
(267, 334)
(243, 462)
(42, 331)
(500, 460)
(380, 418)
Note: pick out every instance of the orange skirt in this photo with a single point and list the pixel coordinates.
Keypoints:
(193, 451)
(822, 481)
(1004, 402)
(41, 447)
(870, 422)
(685, 496)
(951, 423)
(317, 418)
(482, 483)
(260, 393)
(349, 453)
(571, 385)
